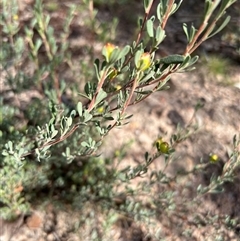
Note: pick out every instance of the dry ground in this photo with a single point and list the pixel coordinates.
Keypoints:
(159, 115)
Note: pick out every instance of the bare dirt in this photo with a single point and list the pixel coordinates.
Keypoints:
(159, 115)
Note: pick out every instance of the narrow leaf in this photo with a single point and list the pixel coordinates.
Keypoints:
(101, 95)
(150, 28)
(146, 3)
(173, 59)
(87, 116)
(124, 52)
(159, 17)
(96, 66)
(69, 121)
(79, 108)
(160, 35)
(185, 29)
(223, 25)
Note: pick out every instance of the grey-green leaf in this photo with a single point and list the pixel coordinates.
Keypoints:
(172, 59)
(223, 25)
(87, 116)
(185, 29)
(150, 28)
(101, 95)
(79, 108)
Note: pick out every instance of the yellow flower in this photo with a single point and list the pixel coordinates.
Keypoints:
(158, 141)
(144, 61)
(162, 146)
(213, 158)
(100, 110)
(118, 87)
(108, 50)
(15, 17)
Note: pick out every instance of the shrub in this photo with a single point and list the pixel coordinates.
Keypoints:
(57, 131)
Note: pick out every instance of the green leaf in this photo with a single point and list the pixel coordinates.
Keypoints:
(160, 35)
(186, 61)
(146, 4)
(128, 117)
(87, 116)
(223, 25)
(193, 60)
(125, 69)
(159, 17)
(146, 156)
(54, 133)
(10, 146)
(189, 62)
(79, 108)
(37, 45)
(140, 22)
(145, 92)
(124, 52)
(84, 144)
(150, 29)
(173, 59)
(224, 5)
(96, 66)
(207, 8)
(69, 121)
(185, 29)
(137, 58)
(147, 77)
(192, 33)
(73, 113)
(115, 55)
(85, 96)
(101, 95)
(175, 7)
(89, 89)
(110, 118)
(47, 20)
(5, 153)
(164, 6)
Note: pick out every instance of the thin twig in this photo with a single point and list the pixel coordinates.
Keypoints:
(60, 139)
(191, 46)
(100, 84)
(167, 14)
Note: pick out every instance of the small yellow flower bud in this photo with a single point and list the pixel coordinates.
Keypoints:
(213, 158)
(118, 87)
(108, 49)
(100, 110)
(158, 141)
(144, 61)
(15, 17)
(162, 146)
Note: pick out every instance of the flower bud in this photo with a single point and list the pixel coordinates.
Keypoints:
(144, 62)
(100, 110)
(108, 50)
(213, 158)
(162, 146)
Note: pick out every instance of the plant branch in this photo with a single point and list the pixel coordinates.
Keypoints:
(167, 14)
(126, 104)
(60, 139)
(191, 46)
(100, 84)
(147, 11)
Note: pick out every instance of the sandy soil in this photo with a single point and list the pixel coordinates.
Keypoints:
(218, 121)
